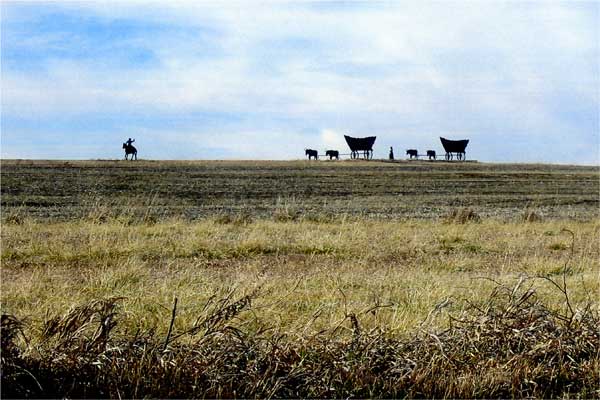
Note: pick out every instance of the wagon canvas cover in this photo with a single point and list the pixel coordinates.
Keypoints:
(454, 146)
(360, 144)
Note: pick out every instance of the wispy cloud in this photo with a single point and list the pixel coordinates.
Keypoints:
(234, 80)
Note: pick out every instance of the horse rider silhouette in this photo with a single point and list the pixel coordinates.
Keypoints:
(129, 149)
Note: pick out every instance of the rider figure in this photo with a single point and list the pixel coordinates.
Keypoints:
(129, 141)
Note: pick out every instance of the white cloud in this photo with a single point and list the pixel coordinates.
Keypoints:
(332, 140)
(399, 70)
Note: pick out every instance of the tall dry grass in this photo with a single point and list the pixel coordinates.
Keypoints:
(303, 266)
(299, 307)
(508, 345)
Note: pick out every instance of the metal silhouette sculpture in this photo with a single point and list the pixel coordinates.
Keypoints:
(455, 147)
(412, 153)
(364, 145)
(332, 153)
(130, 149)
(431, 154)
(311, 153)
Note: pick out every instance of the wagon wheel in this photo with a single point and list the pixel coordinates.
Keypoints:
(448, 156)
(461, 156)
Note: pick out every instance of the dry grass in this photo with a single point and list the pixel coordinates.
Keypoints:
(462, 216)
(302, 265)
(510, 345)
(299, 308)
(531, 216)
(243, 279)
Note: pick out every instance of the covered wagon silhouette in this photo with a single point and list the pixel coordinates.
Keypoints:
(455, 147)
(364, 145)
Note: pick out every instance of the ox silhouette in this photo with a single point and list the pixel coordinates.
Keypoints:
(332, 153)
(431, 154)
(412, 153)
(312, 153)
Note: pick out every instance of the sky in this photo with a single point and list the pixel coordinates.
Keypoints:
(265, 80)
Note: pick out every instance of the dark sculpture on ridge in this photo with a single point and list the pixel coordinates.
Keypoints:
(332, 153)
(311, 153)
(130, 149)
(361, 144)
(455, 146)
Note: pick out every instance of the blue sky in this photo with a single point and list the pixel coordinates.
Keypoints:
(251, 80)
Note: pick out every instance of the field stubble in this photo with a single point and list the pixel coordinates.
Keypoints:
(196, 190)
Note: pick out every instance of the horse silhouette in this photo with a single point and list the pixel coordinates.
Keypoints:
(412, 153)
(333, 153)
(130, 149)
(312, 153)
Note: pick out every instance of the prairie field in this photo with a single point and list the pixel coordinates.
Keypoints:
(299, 279)
(191, 190)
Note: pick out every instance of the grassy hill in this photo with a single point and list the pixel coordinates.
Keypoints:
(200, 189)
(299, 279)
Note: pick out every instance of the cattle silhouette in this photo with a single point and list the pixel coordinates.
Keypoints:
(412, 153)
(312, 153)
(332, 153)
